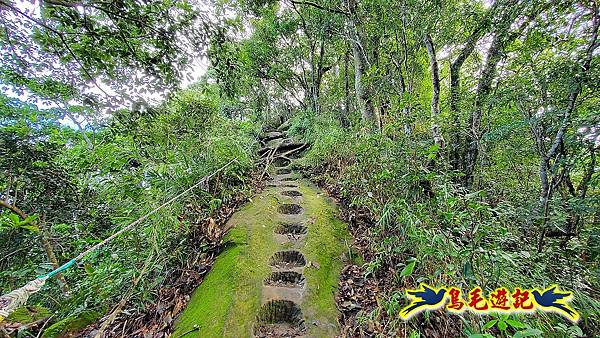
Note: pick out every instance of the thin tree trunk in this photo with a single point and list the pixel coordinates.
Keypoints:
(364, 102)
(409, 74)
(344, 118)
(552, 155)
(87, 140)
(580, 193)
(407, 86)
(501, 39)
(45, 241)
(405, 111)
(455, 67)
(484, 86)
(435, 96)
(313, 80)
(321, 70)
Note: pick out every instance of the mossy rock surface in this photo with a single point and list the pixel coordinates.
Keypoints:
(227, 302)
(28, 314)
(72, 324)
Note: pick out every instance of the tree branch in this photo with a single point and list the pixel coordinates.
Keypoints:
(321, 7)
(575, 93)
(13, 208)
(60, 36)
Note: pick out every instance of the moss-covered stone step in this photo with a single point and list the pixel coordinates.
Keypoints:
(228, 303)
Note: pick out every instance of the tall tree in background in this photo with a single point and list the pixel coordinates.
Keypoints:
(556, 163)
(361, 53)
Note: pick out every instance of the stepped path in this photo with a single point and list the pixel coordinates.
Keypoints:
(278, 272)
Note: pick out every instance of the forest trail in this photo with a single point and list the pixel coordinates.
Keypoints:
(279, 269)
(461, 138)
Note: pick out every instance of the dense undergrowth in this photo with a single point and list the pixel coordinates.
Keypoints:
(426, 228)
(77, 193)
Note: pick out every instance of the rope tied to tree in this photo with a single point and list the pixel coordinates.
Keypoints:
(17, 298)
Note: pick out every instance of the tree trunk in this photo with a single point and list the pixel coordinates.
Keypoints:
(81, 129)
(458, 63)
(314, 104)
(318, 79)
(363, 95)
(344, 118)
(45, 241)
(402, 82)
(501, 39)
(484, 87)
(455, 67)
(435, 96)
(554, 153)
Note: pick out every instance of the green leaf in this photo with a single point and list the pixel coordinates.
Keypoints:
(515, 323)
(502, 325)
(14, 219)
(468, 271)
(89, 269)
(29, 219)
(31, 228)
(408, 269)
(489, 324)
(576, 331)
(530, 332)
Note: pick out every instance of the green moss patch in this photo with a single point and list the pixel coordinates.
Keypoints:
(325, 247)
(72, 324)
(212, 300)
(225, 302)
